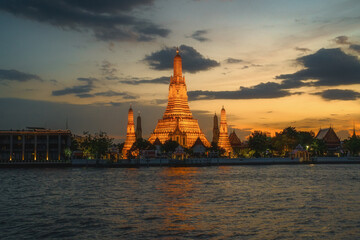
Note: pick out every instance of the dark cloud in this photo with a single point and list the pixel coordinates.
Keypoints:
(339, 94)
(14, 75)
(326, 67)
(109, 20)
(233, 60)
(79, 90)
(199, 36)
(304, 50)
(110, 117)
(85, 95)
(193, 61)
(342, 40)
(110, 94)
(137, 81)
(108, 70)
(260, 91)
(355, 47)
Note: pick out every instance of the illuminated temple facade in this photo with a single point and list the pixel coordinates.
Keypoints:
(224, 141)
(130, 133)
(178, 123)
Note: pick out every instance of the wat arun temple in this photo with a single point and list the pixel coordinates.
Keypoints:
(177, 123)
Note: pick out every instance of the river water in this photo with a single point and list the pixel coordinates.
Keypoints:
(236, 202)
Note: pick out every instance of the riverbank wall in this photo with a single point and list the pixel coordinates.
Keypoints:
(193, 162)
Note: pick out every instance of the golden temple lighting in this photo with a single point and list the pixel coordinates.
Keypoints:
(130, 133)
(223, 136)
(178, 123)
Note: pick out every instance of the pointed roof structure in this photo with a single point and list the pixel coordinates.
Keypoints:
(216, 131)
(157, 142)
(177, 122)
(234, 140)
(224, 137)
(199, 142)
(130, 133)
(354, 132)
(138, 132)
(328, 135)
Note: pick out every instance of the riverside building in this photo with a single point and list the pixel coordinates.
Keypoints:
(34, 144)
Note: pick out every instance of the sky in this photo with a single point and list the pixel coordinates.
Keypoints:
(271, 64)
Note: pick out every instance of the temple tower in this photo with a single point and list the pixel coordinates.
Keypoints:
(138, 132)
(178, 122)
(216, 131)
(130, 133)
(223, 136)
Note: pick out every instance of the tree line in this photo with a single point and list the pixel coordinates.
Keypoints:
(258, 144)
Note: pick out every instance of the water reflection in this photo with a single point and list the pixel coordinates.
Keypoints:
(179, 207)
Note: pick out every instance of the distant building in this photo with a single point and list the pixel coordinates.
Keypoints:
(216, 131)
(235, 142)
(138, 132)
(34, 144)
(130, 133)
(157, 144)
(223, 136)
(331, 140)
(198, 148)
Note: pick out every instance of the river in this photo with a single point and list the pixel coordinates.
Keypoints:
(225, 202)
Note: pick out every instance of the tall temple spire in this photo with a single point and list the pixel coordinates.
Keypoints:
(216, 131)
(224, 137)
(138, 132)
(354, 132)
(177, 65)
(130, 133)
(178, 110)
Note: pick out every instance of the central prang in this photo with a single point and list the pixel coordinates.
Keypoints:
(178, 123)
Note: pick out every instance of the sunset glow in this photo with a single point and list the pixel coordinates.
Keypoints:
(271, 64)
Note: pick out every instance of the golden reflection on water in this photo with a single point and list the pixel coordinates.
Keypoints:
(179, 207)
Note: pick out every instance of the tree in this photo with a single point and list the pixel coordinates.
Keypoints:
(305, 138)
(318, 147)
(352, 144)
(259, 142)
(96, 146)
(169, 146)
(139, 145)
(214, 148)
(289, 138)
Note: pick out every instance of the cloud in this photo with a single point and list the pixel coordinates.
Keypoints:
(110, 93)
(80, 90)
(199, 35)
(326, 67)
(193, 61)
(261, 91)
(108, 70)
(341, 40)
(109, 20)
(344, 40)
(137, 81)
(233, 60)
(14, 75)
(304, 50)
(339, 94)
(110, 117)
(355, 47)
